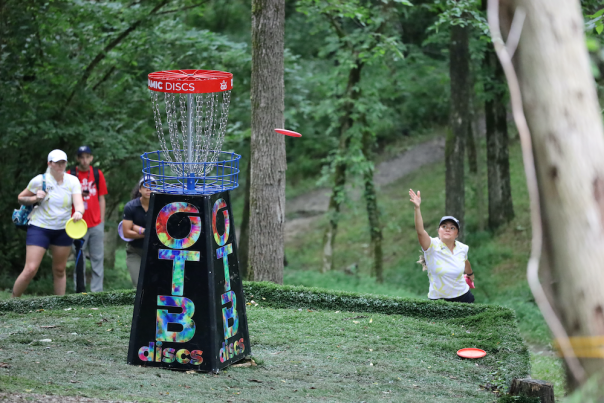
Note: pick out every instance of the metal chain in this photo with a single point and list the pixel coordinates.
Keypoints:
(172, 116)
(198, 132)
(208, 141)
(224, 117)
(158, 124)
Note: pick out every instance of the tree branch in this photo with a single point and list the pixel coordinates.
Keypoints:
(105, 77)
(183, 8)
(102, 54)
(339, 31)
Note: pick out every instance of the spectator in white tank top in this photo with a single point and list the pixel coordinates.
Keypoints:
(46, 228)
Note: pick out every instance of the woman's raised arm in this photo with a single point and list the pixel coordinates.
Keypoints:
(422, 235)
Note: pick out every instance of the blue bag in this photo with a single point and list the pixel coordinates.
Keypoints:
(21, 216)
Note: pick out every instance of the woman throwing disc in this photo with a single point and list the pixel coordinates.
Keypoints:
(445, 257)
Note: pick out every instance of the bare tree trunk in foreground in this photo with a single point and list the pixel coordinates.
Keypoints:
(267, 184)
(562, 111)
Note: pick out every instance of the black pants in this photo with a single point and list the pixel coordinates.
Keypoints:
(467, 297)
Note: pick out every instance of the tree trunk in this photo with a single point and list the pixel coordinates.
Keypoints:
(459, 122)
(337, 194)
(373, 212)
(472, 148)
(476, 172)
(501, 208)
(244, 233)
(268, 164)
(533, 388)
(561, 106)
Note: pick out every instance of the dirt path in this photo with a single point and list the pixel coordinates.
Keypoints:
(308, 208)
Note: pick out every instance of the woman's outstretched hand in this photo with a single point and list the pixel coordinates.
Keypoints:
(416, 199)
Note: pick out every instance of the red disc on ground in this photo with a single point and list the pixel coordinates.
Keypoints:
(471, 353)
(288, 132)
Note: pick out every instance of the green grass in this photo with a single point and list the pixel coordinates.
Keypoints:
(548, 367)
(304, 354)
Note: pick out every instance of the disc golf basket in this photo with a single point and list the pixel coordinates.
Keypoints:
(190, 123)
(189, 298)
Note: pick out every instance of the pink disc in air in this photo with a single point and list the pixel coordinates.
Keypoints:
(288, 132)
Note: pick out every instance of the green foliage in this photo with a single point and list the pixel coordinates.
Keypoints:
(456, 12)
(74, 73)
(401, 89)
(595, 22)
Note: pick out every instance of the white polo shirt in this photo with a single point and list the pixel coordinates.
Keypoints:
(446, 269)
(55, 209)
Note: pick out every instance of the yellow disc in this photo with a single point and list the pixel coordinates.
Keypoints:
(76, 230)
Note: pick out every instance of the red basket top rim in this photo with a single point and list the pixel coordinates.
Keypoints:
(190, 81)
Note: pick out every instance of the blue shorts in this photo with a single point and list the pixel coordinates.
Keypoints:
(44, 237)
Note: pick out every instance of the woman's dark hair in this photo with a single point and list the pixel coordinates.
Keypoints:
(136, 192)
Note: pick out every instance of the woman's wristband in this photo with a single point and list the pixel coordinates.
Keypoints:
(470, 274)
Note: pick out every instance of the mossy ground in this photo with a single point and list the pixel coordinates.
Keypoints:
(303, 354)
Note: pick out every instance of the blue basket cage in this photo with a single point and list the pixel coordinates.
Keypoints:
(162, 175)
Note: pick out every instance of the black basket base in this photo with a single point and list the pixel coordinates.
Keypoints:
(189, 312)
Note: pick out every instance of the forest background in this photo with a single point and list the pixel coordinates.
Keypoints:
(364, 80)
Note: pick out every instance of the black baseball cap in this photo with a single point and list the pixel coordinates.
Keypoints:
(84, 150)
(449, 218)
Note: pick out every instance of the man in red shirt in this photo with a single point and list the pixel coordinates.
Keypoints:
(94, 190)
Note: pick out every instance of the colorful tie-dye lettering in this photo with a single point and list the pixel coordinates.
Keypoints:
(181, 356)
(149, 352)
(228, 351)
(196, 357)
(158, 352)
(220, 239)
(161, 225)
(178, 271)
(222, 253)
(169, 355)
(183, 318)
(230, 313)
